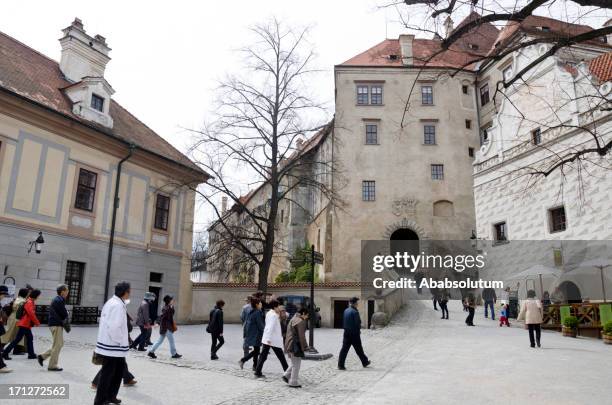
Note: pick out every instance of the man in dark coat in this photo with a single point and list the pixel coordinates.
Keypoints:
(57, 318)
(144, 322)
(215, 328)
(351, 322)
(490, 298)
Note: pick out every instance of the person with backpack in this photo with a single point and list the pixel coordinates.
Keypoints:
(58, 317)
(27, 319)
(215, 328)
(11, 323)
(3, 318)
(272, 339)
(167, 327)
(254, 328)
(295, 344)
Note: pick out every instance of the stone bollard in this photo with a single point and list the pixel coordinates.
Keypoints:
(379, 320)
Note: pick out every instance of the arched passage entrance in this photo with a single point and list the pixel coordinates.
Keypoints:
(571, 292)
(404, 234)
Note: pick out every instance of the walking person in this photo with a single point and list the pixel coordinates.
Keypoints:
(351, 322)
(272, 339)
(503, 319)
(244, 314)
(490, 298)
(295, 344)
(434, 297)
(470, 304)
(215, 328)
(443, 301)
(144, 322)
(3, 318)
(531, 313)
(11, 322)
(254, 328)
(112, 345)
(25, 323)
(58, 319)
(167, 327)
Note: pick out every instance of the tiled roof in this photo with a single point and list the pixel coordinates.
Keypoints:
(36, 77)
(472, 45)
(601, 67)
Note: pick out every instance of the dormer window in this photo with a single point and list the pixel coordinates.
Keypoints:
(393, 57)
(544, 28)
(97, 102)
(473, 46)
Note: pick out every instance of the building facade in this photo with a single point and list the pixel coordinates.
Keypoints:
(62, 141)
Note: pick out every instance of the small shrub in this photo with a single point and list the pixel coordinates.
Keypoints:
(570, 322)
(607, 328)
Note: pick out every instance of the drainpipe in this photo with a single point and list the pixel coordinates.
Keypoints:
(113, 220)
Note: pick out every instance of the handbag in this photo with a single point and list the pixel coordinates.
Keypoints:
(97, 359)
(296, 347)
(174, 327)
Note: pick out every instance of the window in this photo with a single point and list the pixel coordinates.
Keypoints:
(155, 277)
(437, 172)
(74, 281)
(536, 136)
(468, 124)
(507, 72)
(557, 219)
(368, 190)
(443, 209)
(473, 46)
(371, 134)
(429, 135)
(471, 152)
(427, 95)
(484, 95)
(97, 102)
(484, 134)
(362, 95)
(369, 94)
(376, 94)
(501, 233)
(464, 89)
(86, 190)
(162, 210)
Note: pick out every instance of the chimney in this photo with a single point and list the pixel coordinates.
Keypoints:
(223, 205)
(82, 55)
(405, 41)
(448, 26)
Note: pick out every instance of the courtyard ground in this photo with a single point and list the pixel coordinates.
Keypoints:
(418, 359)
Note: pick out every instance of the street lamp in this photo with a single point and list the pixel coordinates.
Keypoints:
(36, 244)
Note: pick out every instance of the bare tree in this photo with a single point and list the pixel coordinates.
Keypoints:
(262, 112)
(431, 18)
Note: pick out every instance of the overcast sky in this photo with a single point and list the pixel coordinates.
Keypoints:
(167, 56)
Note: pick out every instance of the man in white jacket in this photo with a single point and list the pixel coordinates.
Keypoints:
(112, 344)
(272, 338)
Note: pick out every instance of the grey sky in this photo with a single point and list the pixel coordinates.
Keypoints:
(167, 56)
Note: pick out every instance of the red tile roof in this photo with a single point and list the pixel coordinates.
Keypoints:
(601, 67)
(36, 77)
(427, 52)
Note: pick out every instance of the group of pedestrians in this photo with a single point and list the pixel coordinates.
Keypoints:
(17, 319)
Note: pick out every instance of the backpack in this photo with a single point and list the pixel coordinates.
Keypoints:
(20, 311)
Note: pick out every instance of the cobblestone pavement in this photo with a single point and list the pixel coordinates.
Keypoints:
(417, 359)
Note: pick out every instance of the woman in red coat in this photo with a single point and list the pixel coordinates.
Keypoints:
(24, 323)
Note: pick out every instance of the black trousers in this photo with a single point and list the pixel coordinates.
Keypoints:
(2, 364)
(264, 356)
(110, 379)
(538, 332)
(141, 340)
(470, 318)
(444, 308)
(435, 302)
(355, 341)
(21, 332)
(214, 347)
(254, 354)
(127, 376)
